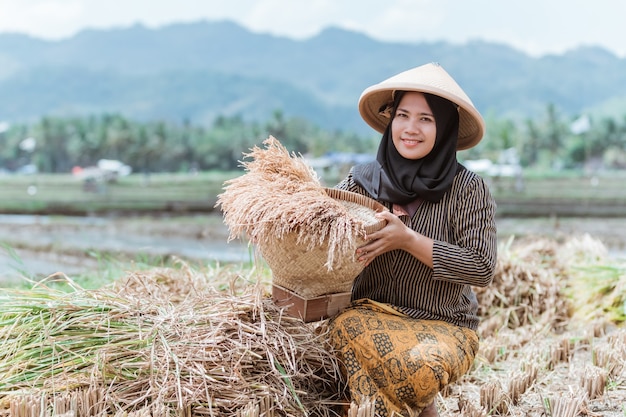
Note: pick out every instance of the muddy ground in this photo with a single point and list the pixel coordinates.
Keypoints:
(41, 245)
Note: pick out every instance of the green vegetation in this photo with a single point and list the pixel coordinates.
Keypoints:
(568, 193)
(563, 193)
(182, 168)
(57, 145)
(109, 267)
(64, 194)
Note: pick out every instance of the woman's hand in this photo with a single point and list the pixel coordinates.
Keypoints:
(395, 235)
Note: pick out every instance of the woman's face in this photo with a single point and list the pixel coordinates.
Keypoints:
(413, 128)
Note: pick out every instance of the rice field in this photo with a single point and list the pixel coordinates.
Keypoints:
(207, 340)
(552, 335)
(539, 194)
(196, 341)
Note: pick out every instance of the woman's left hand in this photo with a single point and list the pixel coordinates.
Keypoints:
(396, 235)
(393, 235)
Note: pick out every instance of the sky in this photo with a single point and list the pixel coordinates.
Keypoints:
(537, 27)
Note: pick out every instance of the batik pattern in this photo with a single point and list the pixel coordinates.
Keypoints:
(397, 361)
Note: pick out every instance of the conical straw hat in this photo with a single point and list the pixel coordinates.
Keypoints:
(430, 78)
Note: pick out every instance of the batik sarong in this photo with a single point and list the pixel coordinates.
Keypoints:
(398, 362)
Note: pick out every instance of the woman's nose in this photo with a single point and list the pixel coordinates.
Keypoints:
(412, 126)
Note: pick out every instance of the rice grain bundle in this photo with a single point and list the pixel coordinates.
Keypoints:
(163, 342)
(307, 233)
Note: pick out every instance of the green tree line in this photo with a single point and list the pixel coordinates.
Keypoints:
(57, 144)
(557, 141)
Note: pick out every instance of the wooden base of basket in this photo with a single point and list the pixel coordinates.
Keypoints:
(310, 309)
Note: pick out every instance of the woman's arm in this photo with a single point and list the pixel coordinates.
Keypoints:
(471, 259)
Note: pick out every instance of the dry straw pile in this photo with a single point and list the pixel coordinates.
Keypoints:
(159, 343)
(308, 234)
(166, 342)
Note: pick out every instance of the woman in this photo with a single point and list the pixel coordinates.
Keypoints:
(411, 327)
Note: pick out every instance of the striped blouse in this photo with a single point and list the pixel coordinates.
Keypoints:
(463, 228)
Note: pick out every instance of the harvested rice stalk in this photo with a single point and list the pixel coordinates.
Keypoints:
(365, 409)
(568, 406)
(611, 356)
(137, 346)
(280, 194)
(593, 381)
(468, 409)
(493, 399)
(518, 384)
(527, 289)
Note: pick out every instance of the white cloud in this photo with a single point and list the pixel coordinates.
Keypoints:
(40, 18)
(535, 26)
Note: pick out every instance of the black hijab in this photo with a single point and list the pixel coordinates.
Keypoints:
(397, 180)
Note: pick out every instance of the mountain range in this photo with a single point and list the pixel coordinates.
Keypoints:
(197, 71)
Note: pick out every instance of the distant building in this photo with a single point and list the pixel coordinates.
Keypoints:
(107, 170)
(508, 165)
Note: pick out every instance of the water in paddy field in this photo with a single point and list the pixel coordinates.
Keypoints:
(43, 245)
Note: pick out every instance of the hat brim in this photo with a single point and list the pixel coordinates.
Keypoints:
(435, 81)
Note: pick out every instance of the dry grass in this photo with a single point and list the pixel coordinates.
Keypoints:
(168, 342)
(552, 340)
(165, 342)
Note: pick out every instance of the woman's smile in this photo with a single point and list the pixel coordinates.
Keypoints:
(411, 142)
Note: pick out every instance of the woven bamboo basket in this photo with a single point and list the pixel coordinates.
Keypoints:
(304, 270)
